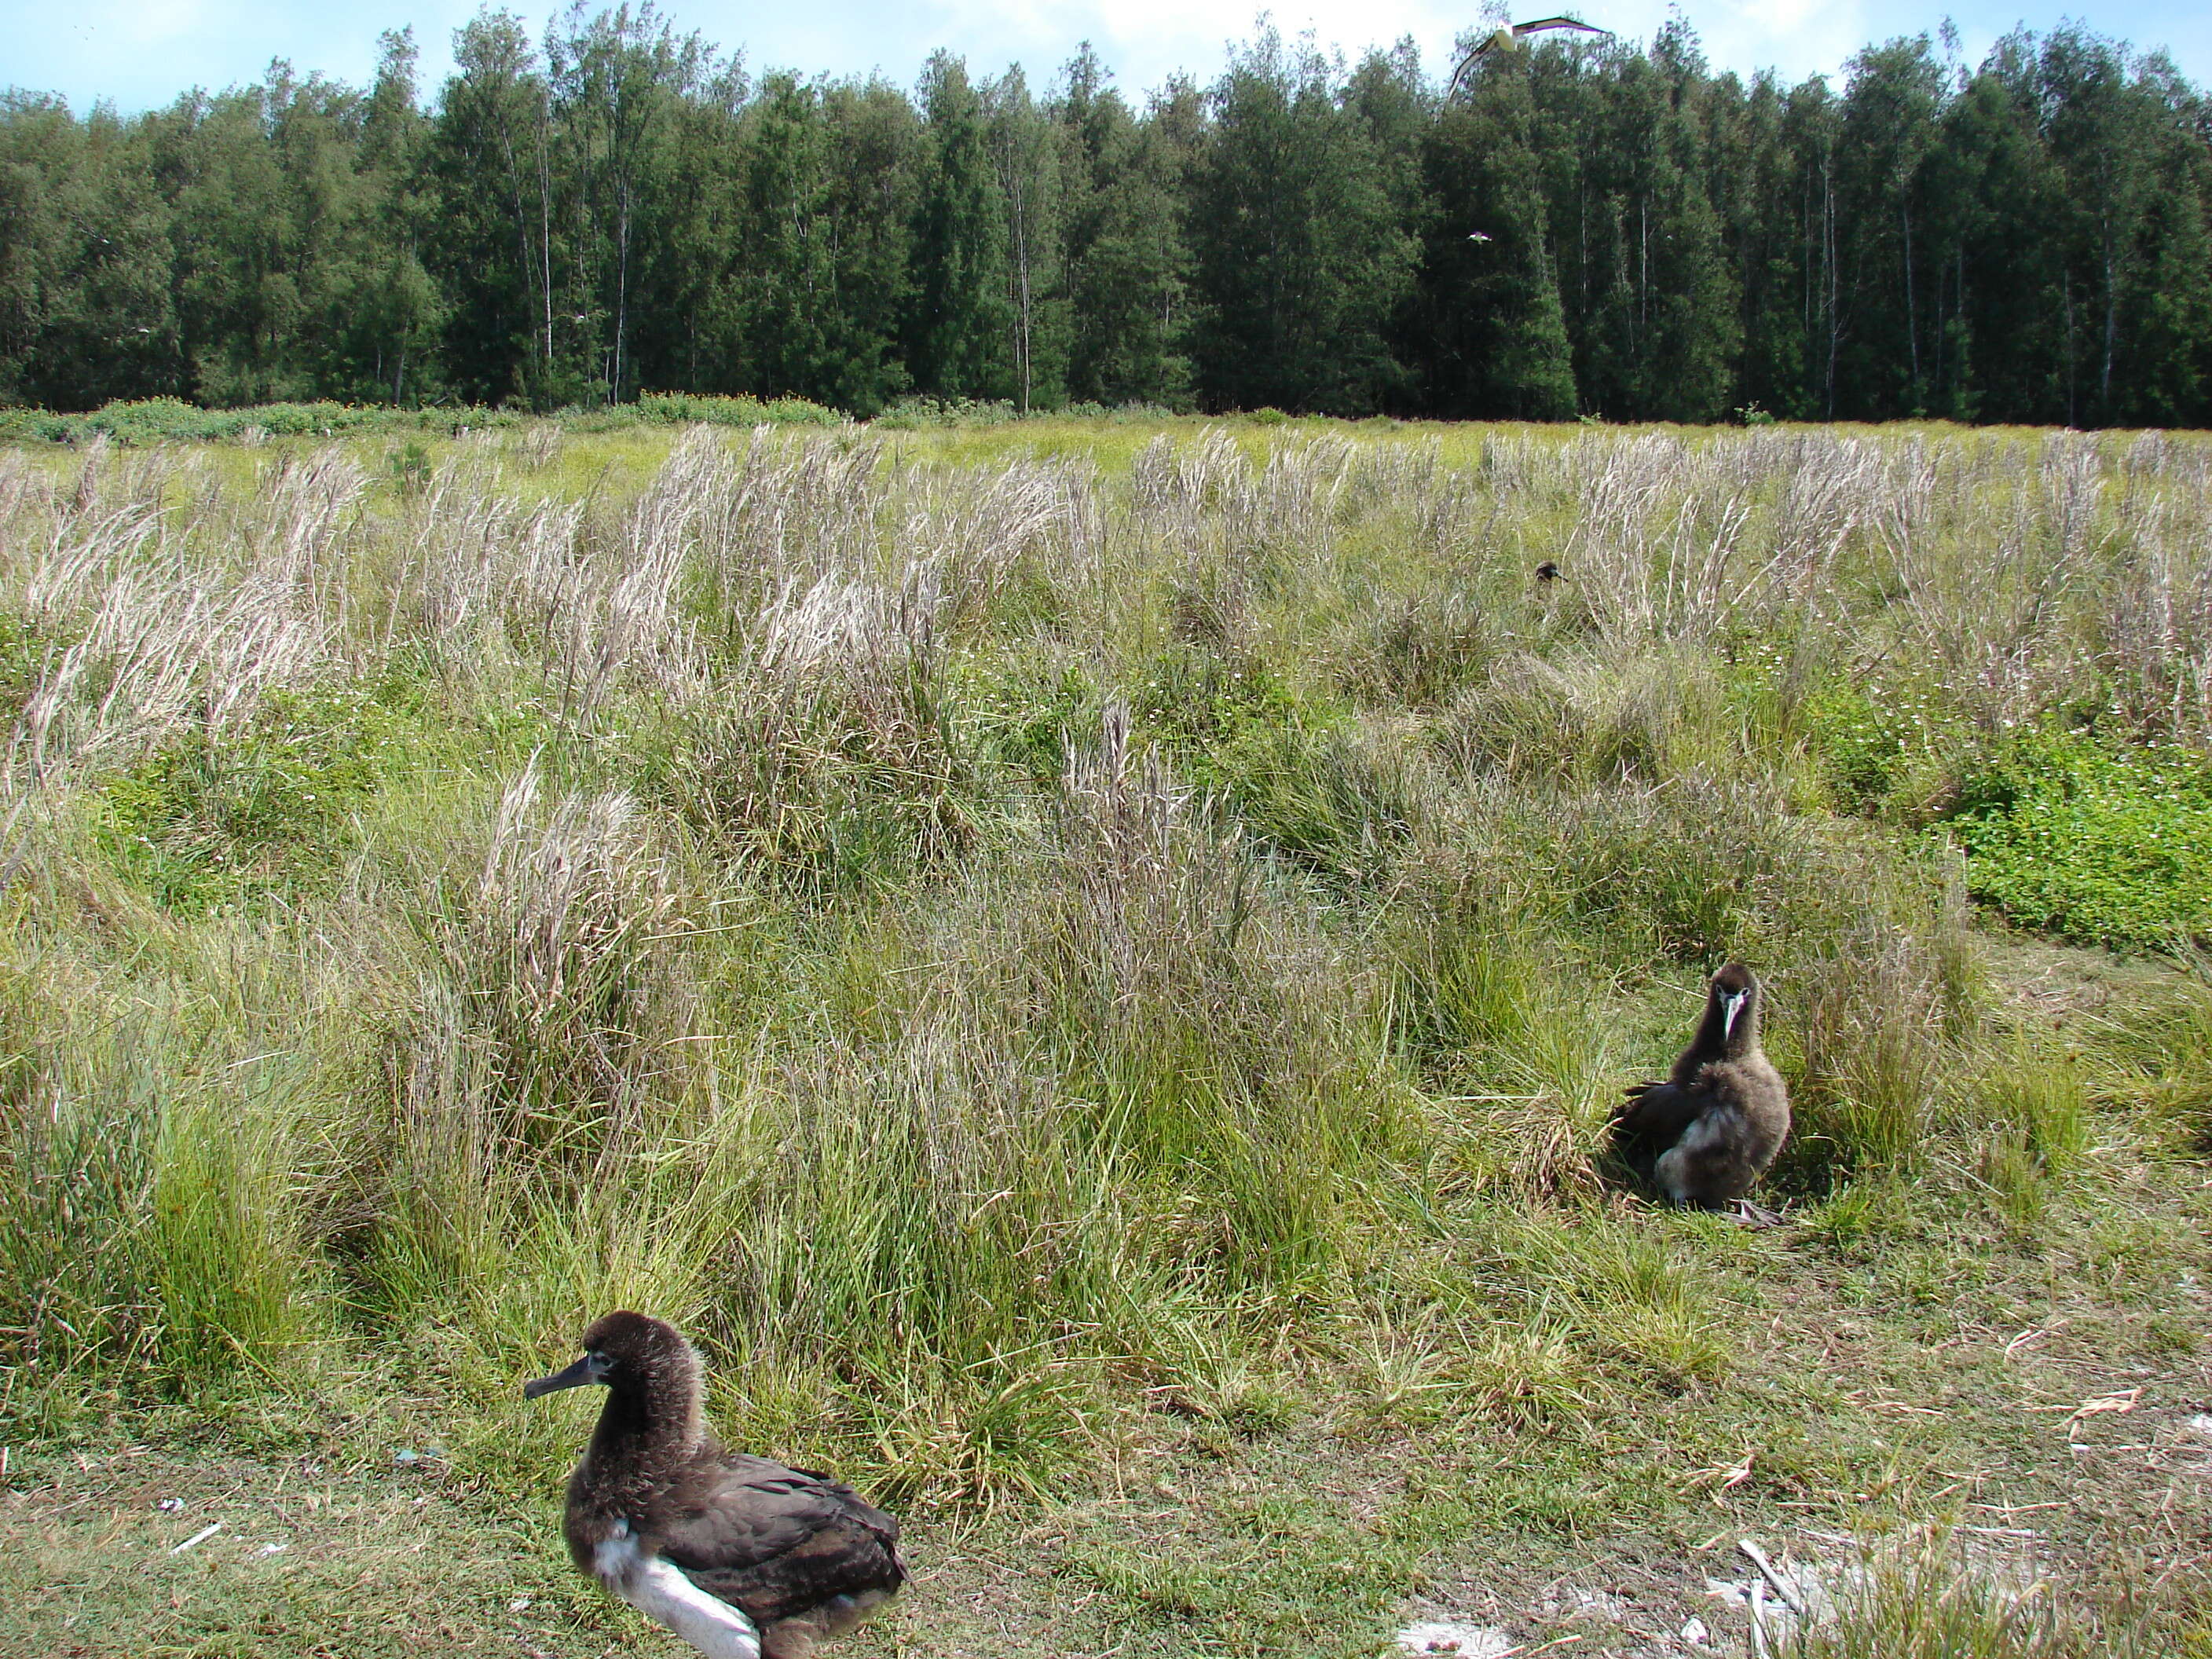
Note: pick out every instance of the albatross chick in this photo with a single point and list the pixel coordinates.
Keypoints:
(742, 1557)
(1707, 1133)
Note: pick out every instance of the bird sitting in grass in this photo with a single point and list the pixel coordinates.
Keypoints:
(742, 1557)
(1708, 1133)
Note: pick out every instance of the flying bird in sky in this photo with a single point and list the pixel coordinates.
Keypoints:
(1507, 37)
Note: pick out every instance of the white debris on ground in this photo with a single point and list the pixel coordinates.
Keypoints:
(1695, 1633)
(1602, 1604)
(1809, 1581)
(1468, 1641)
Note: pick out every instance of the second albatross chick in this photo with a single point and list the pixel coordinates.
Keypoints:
(742, 1557)
(1708, 1133)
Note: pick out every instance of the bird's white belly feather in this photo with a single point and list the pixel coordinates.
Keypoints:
(659, 1590)
(1674, 1179)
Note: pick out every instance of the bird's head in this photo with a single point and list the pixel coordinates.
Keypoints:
(632, 1353)
(1737, 993)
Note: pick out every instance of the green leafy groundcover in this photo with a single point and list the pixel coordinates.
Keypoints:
(2097, 843)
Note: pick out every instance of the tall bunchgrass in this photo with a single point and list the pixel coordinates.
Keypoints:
(992, 943)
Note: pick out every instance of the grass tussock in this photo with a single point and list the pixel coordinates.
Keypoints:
(1926, 1594)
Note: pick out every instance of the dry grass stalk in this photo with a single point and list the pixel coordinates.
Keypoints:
(159, 657)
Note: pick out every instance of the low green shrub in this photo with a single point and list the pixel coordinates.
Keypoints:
(171, 420)
(1883, 750)
(912, 414)
(688, 406)
(2097, 843)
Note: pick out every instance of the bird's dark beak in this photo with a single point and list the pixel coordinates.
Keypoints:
(575, 1377)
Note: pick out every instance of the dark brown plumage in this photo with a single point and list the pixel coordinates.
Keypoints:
(1550, 572)
(741, 1556)
(1704, 1136)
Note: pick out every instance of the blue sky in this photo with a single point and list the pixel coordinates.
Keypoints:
(142, 52)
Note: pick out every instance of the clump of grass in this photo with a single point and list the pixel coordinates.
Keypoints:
(1339, 795)
(152, 1232)
(1576, 720)
(1417, 648)
(534, 1051)
(211, 820)
(1500, 1034)
(828, 760)
(1530, 1378)
(1924, 1596)
(2030, 1115)
(1868, 1021)
(1210, 1028)
(560, 947)
(74, 1235)
(2158, 1046)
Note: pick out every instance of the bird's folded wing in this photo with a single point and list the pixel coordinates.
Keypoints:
(1659, 1112)
(776, 1541)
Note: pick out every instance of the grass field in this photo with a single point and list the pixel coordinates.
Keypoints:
(1086, 963)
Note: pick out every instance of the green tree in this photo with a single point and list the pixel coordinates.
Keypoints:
(963, 326)
(2167, 308)
(1491, 335)
(1653, 310)
(388, 311)
(1026, 157)
(616, 78)
(1127, 252)
(875, 192)
(1891, 113)
(1301, 259)
(489, 168)
(85, 261)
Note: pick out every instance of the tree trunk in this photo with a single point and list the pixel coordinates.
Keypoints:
(545, 229)
(1828, 269)
(2112, 327)
(1912, 315)
(2068, 290)
(622, 287)
(1019, 201)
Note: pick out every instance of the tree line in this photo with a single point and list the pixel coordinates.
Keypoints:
(1614, 229)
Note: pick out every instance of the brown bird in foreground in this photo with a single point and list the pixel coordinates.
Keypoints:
(1508, 37)
(742, 1557)
(1708, 1133)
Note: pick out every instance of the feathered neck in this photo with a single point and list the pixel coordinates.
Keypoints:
(652, 1414)
(1716, 1040)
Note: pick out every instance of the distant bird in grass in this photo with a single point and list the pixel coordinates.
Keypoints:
(1550, 572)
(1706, 1134)
(742, 1557)
(1508, 37)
